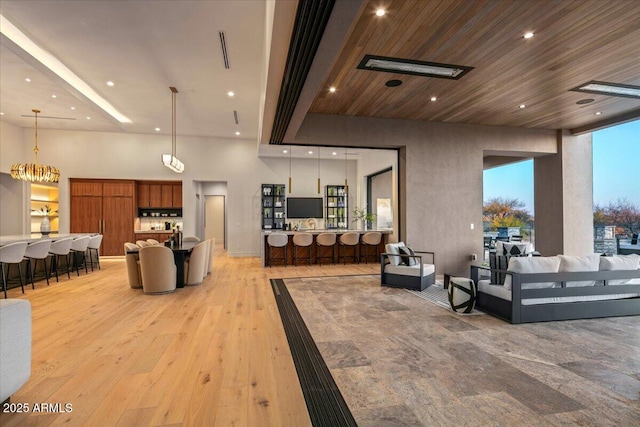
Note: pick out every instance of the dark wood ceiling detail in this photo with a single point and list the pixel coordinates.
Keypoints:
(575, 42)
(311, 19)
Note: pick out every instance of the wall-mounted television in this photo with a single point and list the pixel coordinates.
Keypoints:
(304, 207)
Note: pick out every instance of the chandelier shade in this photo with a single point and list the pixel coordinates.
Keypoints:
(34, 172)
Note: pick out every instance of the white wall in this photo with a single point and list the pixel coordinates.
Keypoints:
(134, 156)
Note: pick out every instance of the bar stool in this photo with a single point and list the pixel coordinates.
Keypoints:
(11, 254)
(326, 240)
(349, 239)
(371, 239)
(278, 240)
(301, 240)
(60, 248)
(94, 245)
(35, 251)
(79, 247)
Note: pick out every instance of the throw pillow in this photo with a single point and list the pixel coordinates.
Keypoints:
(409, 256)
(392, 248)
(525, 265)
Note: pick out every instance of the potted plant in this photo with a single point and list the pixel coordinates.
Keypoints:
(45, 212)
(366, 218)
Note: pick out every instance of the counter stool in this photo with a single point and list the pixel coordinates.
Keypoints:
(79, 248)
(278, 240)
(94, 245)
(371, 239)
(349, 239)
(11, 254)
(60, 248)
(326, 240)
(301, 240)
(35, 251)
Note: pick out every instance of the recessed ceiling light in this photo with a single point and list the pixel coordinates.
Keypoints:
(1, 114)
(53, 96)
(332, 89)
(334, 153)
(528, 35)
(380, 12)
(523, 106)
(237, 133)
(310, 152)
(157, 129)
(597, 113)
(52, 63)
(110, 83)
(612, 89)
(285, 151)
(409, 66)
(230, 93)
(28, 80)
(73, 108)
(88, 118)
(433, 99)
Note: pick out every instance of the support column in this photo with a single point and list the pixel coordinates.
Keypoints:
(563, 185)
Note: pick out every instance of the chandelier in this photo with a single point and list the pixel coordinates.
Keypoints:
(170, 160)
(34, 172)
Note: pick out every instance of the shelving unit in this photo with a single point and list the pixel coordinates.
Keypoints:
(41, 196)
(273, 206)
(336, 207)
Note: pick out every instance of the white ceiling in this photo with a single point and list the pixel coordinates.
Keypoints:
(143, 47)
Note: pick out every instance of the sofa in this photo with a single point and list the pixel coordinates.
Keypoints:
(402, 267)
(15, 345)
(535, 289)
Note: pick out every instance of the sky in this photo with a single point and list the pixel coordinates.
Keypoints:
(616, 170)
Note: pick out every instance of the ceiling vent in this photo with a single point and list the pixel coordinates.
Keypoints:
(412, 67)
(611, 89)
(223, 45)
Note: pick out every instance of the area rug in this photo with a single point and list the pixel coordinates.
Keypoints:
(437, 295)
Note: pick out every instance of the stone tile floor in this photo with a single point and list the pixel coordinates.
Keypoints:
(402, 361)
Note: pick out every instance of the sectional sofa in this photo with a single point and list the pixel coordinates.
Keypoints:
(537, 289)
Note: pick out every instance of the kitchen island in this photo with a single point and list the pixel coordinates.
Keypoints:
(325, 251)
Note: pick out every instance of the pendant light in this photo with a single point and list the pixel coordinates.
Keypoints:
(34, 172)
(318, 170)
(170, 160)
(289, 169)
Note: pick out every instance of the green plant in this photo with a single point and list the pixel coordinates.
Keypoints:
(363, 215)
(44, 211)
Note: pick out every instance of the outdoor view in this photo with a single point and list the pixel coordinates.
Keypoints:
(508, 191)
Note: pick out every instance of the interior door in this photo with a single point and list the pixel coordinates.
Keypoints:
(214, 218)
(117, 224)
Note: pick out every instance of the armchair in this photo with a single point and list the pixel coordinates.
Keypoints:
(395, 273)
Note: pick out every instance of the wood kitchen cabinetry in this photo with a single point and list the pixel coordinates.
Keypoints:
(159, 194)
(103, 206)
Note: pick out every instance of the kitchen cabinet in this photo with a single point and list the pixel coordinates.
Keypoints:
(159, 194)
(177, 195)
(167, 196)
(103, 206)
(155, 195)
(143, 195)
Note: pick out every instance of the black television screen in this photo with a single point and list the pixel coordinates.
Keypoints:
(304, 207)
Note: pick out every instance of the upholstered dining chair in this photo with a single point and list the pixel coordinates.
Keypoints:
(153, 242)
(207, 257)
(79, 249)
(190, 239)
(158, 269)
(212, 245)
(94, 247)
(142, 243)
(60, 248)
(352, 239)
(277, 241)
(195, 266)
(324, 240)
(37, 251)
(133, 265)
(11, 254)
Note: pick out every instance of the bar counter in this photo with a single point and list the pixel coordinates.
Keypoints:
(304, 261)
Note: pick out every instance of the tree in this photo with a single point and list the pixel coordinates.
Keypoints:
(621, 213)
(503, 212)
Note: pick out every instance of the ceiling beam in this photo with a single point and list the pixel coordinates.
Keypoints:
(608, 122)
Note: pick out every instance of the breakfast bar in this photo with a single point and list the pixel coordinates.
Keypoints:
(316, 251)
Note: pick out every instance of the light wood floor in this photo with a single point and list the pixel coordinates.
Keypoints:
(209, 355)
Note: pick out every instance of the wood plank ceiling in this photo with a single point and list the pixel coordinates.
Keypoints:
(575, 42)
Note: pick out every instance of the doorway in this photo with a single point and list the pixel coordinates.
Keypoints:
(214, 219)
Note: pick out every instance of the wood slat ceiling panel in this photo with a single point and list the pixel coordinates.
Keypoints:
(575, 42)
